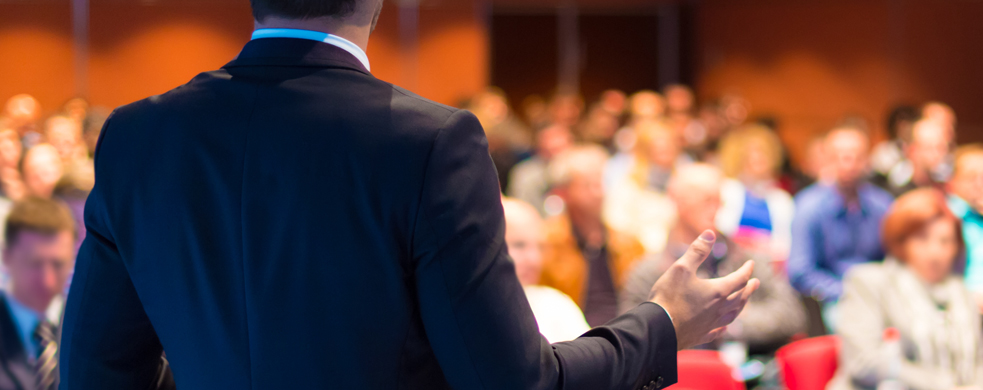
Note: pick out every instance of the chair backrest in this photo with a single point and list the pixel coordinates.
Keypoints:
(704, 370)
(809, 364)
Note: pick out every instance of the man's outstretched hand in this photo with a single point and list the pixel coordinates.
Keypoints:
(702, 308)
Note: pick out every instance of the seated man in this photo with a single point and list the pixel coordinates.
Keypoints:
(837, 225)
(966, 202)
(39, 255)
(927, 160)
(557, 315)
(584, 258)
(773, 314)
(529, 180)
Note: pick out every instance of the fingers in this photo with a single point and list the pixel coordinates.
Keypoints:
(699, 250)
(744, 294)
(737, 280)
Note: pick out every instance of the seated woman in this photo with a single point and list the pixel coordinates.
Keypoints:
(915, 295)
(756, 213)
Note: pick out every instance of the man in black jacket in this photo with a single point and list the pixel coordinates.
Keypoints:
(290, 221)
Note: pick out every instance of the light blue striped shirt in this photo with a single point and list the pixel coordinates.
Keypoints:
(330, 39)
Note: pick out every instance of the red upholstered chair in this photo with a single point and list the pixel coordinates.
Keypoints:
(703, 370)
(809, 364)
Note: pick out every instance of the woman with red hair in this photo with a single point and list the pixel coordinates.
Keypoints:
(910, 320)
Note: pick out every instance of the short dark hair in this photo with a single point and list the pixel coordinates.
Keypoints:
(302, 9)
(38, 215)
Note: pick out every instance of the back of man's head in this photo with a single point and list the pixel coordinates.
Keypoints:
(303, 9)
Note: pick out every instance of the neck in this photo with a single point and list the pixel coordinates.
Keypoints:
(39, 306)
(589, 226)
(357, 34)
(921, 177)
(683, 235)
(848, 191)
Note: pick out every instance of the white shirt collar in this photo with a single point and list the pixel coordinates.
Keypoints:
(330, 39)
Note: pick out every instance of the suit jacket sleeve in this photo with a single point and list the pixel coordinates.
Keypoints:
(107, 339)
(475, 313)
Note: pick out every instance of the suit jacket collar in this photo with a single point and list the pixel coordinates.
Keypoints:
(15, 367)
(10, 344)
(295, 53)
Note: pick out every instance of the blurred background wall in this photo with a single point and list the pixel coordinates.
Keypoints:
(802, 63)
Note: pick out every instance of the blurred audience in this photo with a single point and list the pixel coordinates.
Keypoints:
(756, 213)
(926, 159)
(39, 255)
(600, 126)
(912, 324)
(584, 258)
(565, 109)
(529, 180)
(888, 154)
(837, 225)
(680, 114)
(941, 113)
(966, 201)
(22, 114)
(558, 316)
(43, 169)
(637, 202)
(604, 197)
(508, 138)
(11, 150)
(604, 120)
(773, 314)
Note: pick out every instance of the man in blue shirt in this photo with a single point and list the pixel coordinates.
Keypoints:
(966, 202)
(39, 256)
(838, 224)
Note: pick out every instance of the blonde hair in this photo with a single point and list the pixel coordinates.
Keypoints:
(733, 148)
(647, 132)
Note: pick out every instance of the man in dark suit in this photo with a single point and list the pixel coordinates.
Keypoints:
(291, 222)
(38, 256)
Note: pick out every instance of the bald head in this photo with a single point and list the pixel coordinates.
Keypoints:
(930, 140)
(695, 189)
(525, 237)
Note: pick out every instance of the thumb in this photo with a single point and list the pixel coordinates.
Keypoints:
(699, 250)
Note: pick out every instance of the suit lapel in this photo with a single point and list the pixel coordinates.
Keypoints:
(15, 367)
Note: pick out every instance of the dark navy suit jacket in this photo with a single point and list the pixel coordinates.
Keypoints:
(292, 222)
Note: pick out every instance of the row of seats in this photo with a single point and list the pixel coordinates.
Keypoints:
(807, 364)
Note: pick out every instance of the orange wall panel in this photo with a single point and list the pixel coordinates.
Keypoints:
(36, 54)
(811, 63)
(139, 49)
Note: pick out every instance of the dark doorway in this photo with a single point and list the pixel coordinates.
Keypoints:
(524, 54)
(619, 51)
